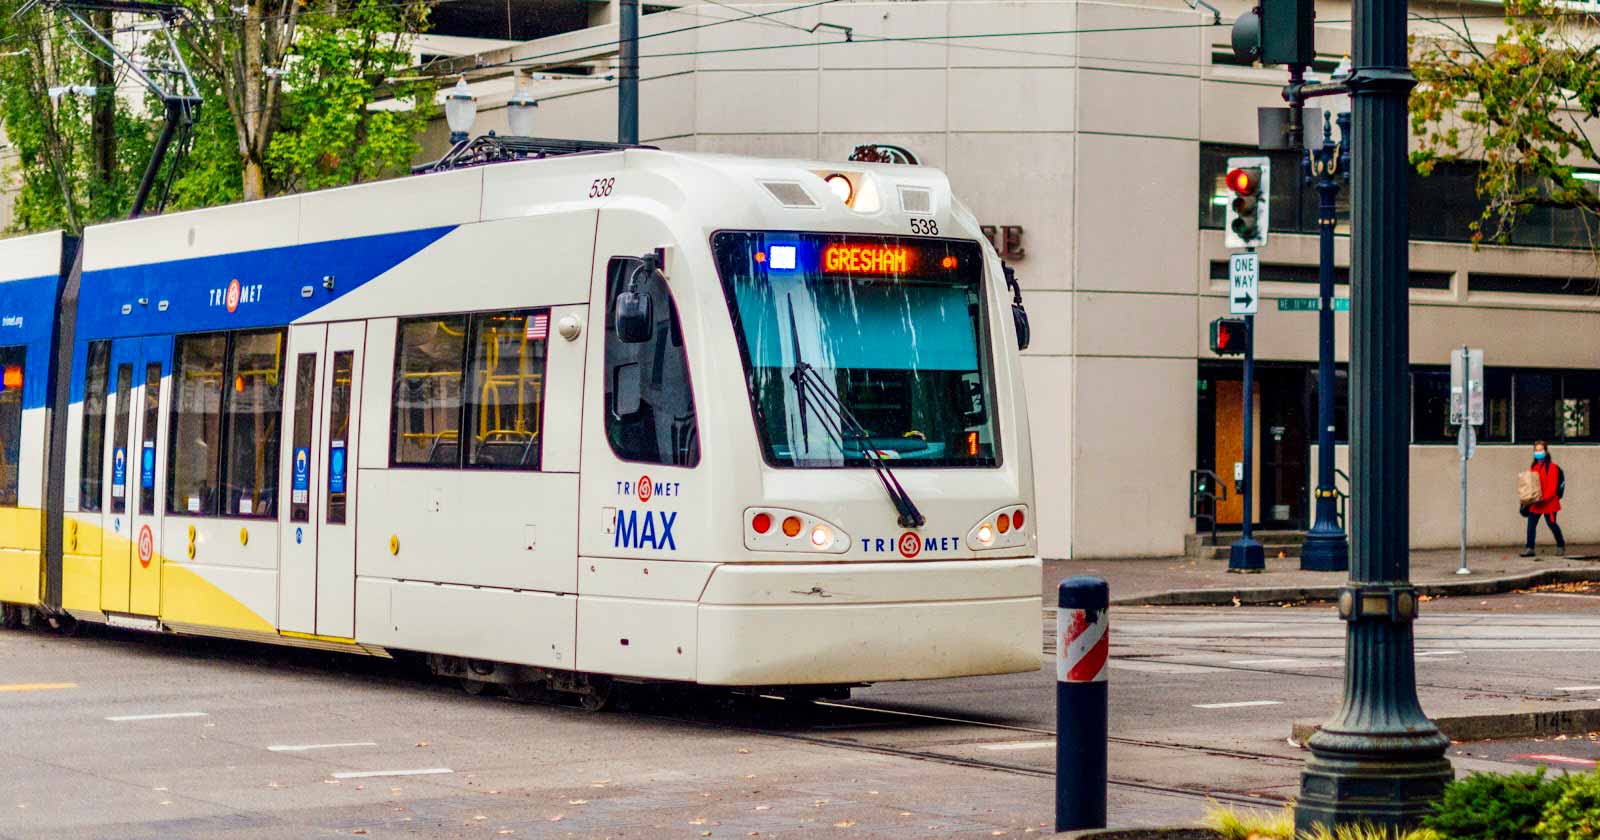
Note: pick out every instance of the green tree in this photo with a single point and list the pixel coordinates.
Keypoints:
(330, 133)
(1525, 104)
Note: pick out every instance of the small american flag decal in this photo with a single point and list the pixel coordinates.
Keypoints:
(538, 327)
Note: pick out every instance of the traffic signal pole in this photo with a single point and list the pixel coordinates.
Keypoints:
(1247, 555)
(1379, 760)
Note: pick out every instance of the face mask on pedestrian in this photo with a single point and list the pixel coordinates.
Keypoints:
(1539, 456)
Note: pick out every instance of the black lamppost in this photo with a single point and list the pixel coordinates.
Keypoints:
(1379, 760)
(1326, 167)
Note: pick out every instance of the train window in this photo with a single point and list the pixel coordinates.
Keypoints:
(427, 392)
(119, 440)
(195, 442)
(650, 414)
(11, 361)
(254, 423)
(862, 347)
(305, 384)
(147, 445)
(92, 460)
(505, 403)
(339, 435)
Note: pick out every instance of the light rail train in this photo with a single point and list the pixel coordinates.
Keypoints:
(626, 414)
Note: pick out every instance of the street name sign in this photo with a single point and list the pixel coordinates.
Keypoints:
(1244, 282)
(1310, 304)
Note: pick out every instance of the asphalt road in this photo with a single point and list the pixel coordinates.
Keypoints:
(128, 735)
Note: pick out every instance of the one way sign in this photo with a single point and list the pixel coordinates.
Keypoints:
(1244, 281)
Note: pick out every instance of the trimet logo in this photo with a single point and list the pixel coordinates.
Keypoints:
(645, 488)
(234, 294)
(910, 545)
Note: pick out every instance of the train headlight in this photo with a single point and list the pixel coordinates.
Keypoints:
(1000, 529)
(779, 529)
(841, 187)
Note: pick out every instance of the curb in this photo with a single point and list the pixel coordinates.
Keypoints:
(1173, 833)
(1503, 725)
(1255, 596)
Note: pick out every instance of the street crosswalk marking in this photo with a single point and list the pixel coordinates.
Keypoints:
(1239, 704)
(160, 716)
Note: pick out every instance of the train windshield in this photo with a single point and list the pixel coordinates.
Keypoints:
(861, 348)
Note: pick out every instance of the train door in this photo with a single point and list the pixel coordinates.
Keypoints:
(130, 566)
(339, 416)
(297, 587)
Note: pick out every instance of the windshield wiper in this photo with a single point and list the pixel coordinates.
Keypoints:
(839, 422)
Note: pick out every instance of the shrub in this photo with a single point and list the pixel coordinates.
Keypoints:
(1491, 806)
(1575, 814)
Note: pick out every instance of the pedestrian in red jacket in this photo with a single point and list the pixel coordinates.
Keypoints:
(1552, 486)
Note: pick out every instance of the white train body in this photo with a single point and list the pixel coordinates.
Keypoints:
(578, 513)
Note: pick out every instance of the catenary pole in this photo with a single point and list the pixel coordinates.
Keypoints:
(628, 73)
(1379, 759)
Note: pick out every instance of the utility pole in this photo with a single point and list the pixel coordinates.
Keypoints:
(1326, 549)
(1379, 760)
(628, 74)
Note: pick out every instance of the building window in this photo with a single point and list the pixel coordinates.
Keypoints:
(254, 423)
(1430, 407)
(119, 440)
(506, 403)
(92, 457)
(1533, 285)
(502, 407)
(1580, 399)
(1444, 204)
(305, 384)
(1534, 400)
(650, 415)
(12, 360)
(427, 392)
(1496, 426)
(195, 443)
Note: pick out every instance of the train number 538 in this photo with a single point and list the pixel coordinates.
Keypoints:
(925, 227)
(601, 187)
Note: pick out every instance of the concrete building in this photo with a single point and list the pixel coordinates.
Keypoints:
(1099, 132)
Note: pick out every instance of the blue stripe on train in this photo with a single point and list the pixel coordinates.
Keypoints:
(27, 317)
(233, 291)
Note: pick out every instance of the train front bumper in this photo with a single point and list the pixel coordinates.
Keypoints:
(869, 622)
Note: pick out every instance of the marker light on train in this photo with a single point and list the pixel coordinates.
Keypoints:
(1000, 529)
(791, 526)
(781, 529)
(1002, 523)
(985, 534)
(841, 187)
(949, 262)
(761, 523)
(821, 536)
(1016, 519)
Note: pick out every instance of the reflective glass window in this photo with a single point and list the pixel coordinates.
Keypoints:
(254, 423)
(427, 391)
(195, 444)
(92, 455)
(505, 403)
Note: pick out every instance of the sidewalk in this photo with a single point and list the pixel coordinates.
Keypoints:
(1179, 581)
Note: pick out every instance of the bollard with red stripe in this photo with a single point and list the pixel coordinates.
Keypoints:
(1083, 640)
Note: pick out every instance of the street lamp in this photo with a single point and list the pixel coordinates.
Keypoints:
(1326, 549)
(1379, 759)
(460, 110)
(520, 107)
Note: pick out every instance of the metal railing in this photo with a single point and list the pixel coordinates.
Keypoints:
(1344, 495)
(1206, 488)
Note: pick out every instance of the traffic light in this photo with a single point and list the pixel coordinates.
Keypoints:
(1229, 336)
(1277, 32)
(1248, 180)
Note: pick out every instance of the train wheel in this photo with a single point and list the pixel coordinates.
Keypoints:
(10, 616)
(66, 625)
(598, 697)
(477, 688)
(530, 692)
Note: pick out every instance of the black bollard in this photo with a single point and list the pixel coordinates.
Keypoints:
(1083, 640)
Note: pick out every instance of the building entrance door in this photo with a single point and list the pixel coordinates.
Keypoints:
(1281, 466)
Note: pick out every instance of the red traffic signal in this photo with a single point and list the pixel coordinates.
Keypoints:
(1229, 336)
(1244, 180)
